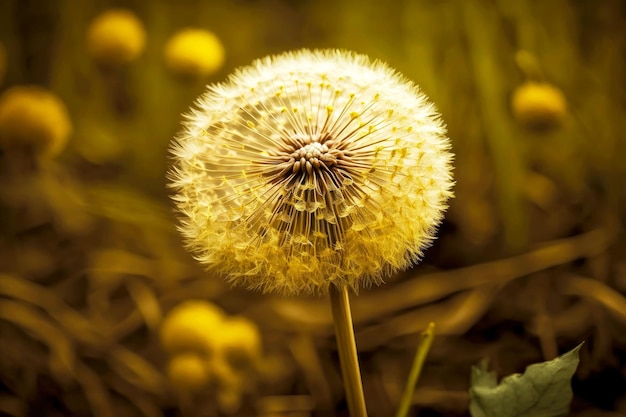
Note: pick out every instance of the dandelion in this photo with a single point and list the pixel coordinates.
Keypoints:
(194, 52)
(115, 37)
(308, 169)
(312, 171)
(34, 119)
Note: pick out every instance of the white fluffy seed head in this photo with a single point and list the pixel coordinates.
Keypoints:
(308, 169)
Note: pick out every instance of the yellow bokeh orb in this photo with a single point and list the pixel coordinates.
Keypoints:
(190, 327)
(115, 37)
(33, 118)
(194, 52)
(239, 341)
(188, 372)
(538, 105)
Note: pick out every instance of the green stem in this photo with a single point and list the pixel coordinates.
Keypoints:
(344, 331)
(426, 341)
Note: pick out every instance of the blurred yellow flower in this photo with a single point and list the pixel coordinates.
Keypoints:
(190, 327)
(308, 169)
(538, 105)
(188, 373)
(33, 118)
(194, 52)
(115, 37)
(239, 341)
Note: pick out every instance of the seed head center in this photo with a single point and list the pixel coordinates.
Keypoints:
(312, 157)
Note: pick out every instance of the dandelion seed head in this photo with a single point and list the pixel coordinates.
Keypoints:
(310, 169)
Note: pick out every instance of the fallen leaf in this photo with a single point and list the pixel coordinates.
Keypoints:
(544, 390)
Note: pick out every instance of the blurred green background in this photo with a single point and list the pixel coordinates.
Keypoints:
(529, 262)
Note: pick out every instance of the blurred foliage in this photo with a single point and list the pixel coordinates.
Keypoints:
(530, 260)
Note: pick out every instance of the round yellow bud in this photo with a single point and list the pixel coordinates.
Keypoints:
(35, 119)
(190, 326)
(538, 105)
(115, 37)
(239, 341)
(194, 52)
(187, 373)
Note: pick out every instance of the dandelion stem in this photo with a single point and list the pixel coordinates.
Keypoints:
(426, 341)
(346, 344)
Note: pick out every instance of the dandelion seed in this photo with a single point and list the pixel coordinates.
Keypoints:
(347, 173)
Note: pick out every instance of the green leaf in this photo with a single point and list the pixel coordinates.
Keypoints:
(544, 390)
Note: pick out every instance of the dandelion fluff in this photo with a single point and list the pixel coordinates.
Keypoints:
(308, 169)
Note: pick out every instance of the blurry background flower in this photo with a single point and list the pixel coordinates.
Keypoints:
(191, 326)
(309, 169)
(188, 373)
(239, 342)
(194, 53)
(33, 118)
(210, 353)
(115, 37)
(538, 105)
